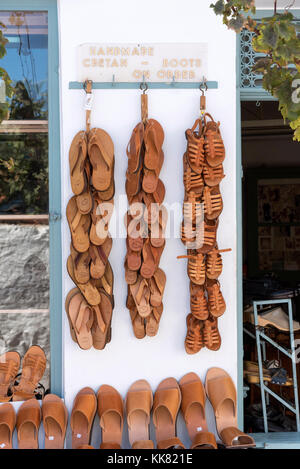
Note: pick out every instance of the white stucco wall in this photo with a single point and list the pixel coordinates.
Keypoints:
(126, 359)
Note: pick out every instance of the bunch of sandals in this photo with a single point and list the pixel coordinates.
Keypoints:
(145, 222)
(89, 306)
(189, 396)
(203, 204)
(15, 386)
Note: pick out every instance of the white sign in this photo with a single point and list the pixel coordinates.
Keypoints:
(135, 62)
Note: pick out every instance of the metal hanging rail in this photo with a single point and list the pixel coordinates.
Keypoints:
(155, 85)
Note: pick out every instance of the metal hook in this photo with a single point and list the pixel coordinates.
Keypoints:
(143, 85)
(203, 86)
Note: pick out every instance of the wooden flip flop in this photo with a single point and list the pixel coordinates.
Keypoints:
(81, 263)
(198, 302)
(55, 420)
(138, 406)
(99, 258)
(101, 214)
(211, 334)
(193, 411)
(7, 425)
(82, 417)
(80, 315)
(194, 338)
(88, 289)
(167, 399)
(153, 140)
(214, 264)
(193, 182)
(195, 147)
(111, 413)
(33, 369)
(212, 201)
(151, 258)
(102, 320)
(138, 323)
(213, 175)
(9, 367)
(141, 294)
(214, 149)
(216, 302)
(101, 155)
(157, 286)
(77, 159)
(153, 320)
(79, 226)
(221, 392)
(28, 424)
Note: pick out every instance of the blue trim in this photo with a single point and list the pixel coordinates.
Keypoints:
(75, 85)
(54, 182)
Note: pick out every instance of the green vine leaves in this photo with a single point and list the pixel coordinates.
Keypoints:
(277, 38)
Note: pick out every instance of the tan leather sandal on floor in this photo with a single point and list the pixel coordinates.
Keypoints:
(7, 425)
(214, 264)
(55, 420)
(194, 341)
(138, 406)
(9, 367)
(211, 335)
(213, 175)
(80, 316)
(212, 201)
(195, 150)
(193, 182)
(81, 263)
(153, 140)
(214, 149)
(28, 424)
(198, 302)
(110, 411)
(79, 226)
(101, 155)
(221, 392)
(167, 399)
(82, 417)
(153, 320)
(193, 411)
(216, 302)
(88, 289)
(102, 320)
(77, 159)
(33, 369)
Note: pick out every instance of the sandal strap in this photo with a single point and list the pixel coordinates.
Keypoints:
(229, 434)
(204, 439)
(170, 443)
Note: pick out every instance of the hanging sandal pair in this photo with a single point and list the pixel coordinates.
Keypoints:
(202, 333)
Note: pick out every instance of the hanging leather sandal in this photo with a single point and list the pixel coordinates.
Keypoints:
(153, 140)
(221, 392)
(9, 367)
(81, 263)
(195, 267)
(193, 182)
(77, 159)
(88, 289)
(212, 201)
(140, 292)
(194, 341)
(101, 156)
(100, 217)
(216, 302)
(211, 335)
(33, 369)
(153, 320)
(207, 236)
(102, 320)
(151, 258)
(195, 147)
(80, 316)
(79, 226)
(198, 302)
(99, 258)
(214, 149)
(213, 175)
(157, 286)
(214, 264)
(193, 411)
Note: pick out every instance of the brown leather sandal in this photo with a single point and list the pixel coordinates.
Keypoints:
(195, 150)
(153, 140)
(7, 425)
(79, 226)
(188, 234)
(150, 177)
(153, 320)
(193, 411)
(28, 424)
(109, 193)
(99, 258)
(194, 341)
(221, 392)
(158, 227)
(134, 148)
(101, 214)
(136, 230)
(214, 264)
(102, 320)
(88, 289)
(157, 285)
(156, 199)
(193, 182)
(214, 149)
(138, 323)
(198, 302)
(151, 258)
(213, 175)
(101, 155)
(77, 159)
(140, 292)
(130, 275)
(9, 367)
(33, 369)
(211, 335)
(80, 316)
(55, 420)
(193, 208)
(110, 411)
(207, 236)
(133, 258)
(216, 302)
(196, 267)
(138, 406)
(106, 281)
(213, 203)
(84, 200)
(81, 263)
(167, 399)
(82, 417)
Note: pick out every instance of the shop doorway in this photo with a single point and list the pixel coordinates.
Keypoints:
(271, 269)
